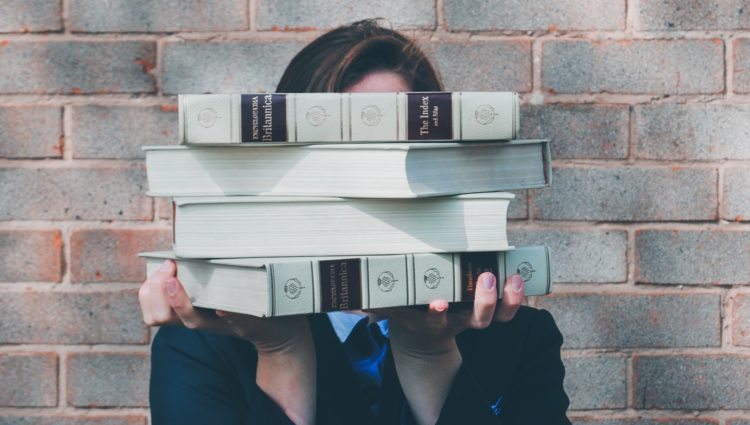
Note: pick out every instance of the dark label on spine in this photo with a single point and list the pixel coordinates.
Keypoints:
(429, 116)
(263, 118)
(340, 285)
(472, 265)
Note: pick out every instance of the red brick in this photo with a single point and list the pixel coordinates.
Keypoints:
(518, 208)
(596, 381)
(158, 15)
(104, 132)
(692, 257)
(108, 379)
(28, 379)
(52, 317)
(483, 65)
(659, 15)
(737, 193)
(30, 255)
(225, 67)
(80, 193)
(693, 132)
(573, 252)
(77, 67)
(660, 420)
(633, 66)
(648, 320)
(31, 132)
(111, 255)
(691, 382)
(30, 15)
(628, 193)
(579, 131)
(306, 15)
(164, 207)
(741, 320)
(742, 65)
(549, 15)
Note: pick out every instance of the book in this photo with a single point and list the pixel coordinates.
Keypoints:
(270, 226)
(347, 117)
(268, 287)
(380, 170)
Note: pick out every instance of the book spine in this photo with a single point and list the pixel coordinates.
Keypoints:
(345, 117)
(371, 282)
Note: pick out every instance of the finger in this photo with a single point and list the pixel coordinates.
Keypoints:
(183, 308)
(437, 314)
(512, 298)
(161, 311)
(485, 300)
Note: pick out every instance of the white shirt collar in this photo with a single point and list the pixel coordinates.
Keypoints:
(344, 321)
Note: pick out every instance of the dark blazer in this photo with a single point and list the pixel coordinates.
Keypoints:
(511, 374)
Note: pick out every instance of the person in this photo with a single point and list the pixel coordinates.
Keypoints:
(493, 362)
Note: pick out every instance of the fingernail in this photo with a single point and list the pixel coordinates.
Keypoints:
(441, 308)
(166, 266)
(516, 283)
(171, 286)
(488, 280)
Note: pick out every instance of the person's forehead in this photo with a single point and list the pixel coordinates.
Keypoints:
(379, 81)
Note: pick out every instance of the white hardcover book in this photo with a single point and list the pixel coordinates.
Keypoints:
(347, 117)
(318, 117)
(378, 170)
(261, 226)
(283, 286)
(373, 116)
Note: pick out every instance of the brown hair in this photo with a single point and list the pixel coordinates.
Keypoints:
(341, 57)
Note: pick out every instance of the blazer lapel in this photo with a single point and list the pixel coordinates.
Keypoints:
(340, 398)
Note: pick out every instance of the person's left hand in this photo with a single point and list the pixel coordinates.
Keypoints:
(423, 342)
(422, 332)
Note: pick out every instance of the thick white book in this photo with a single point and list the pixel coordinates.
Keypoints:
(268, 287)
(379, 170)
(263, 226)
(347, 117)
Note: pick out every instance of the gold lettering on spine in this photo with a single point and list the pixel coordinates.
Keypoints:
(332, 284)
(344, 287)
(424, 116)
(255, 119)
(268, 118)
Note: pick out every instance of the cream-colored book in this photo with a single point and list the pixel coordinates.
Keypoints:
(263, 226)
(286, 285)
(347, 117)
(372, 170)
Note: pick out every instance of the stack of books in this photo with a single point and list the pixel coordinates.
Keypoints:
(304, 203)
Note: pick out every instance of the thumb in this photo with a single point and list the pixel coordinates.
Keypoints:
(166, 269)
(180, 303)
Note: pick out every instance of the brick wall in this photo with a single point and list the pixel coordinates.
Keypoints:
(647, 102)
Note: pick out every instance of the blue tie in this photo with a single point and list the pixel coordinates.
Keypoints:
(365, 347)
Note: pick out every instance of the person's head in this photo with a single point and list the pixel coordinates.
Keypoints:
(363, 56)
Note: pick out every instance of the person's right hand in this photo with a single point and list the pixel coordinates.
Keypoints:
(286, 353)
(164, 302)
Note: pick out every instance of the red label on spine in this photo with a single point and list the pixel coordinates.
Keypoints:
(340, 285)
(472, 265)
